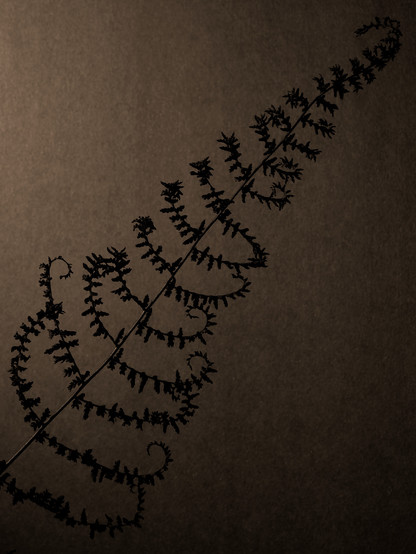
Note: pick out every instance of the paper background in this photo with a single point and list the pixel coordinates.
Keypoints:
(305, 442)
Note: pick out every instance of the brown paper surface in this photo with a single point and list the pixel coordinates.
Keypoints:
(304, 443)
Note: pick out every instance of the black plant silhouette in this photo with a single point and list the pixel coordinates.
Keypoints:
(277, 129)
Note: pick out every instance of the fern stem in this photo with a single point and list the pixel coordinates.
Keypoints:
(93, 375)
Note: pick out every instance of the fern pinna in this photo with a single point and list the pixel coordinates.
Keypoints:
(278, 131)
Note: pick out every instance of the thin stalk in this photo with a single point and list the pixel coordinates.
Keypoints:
(86, 382)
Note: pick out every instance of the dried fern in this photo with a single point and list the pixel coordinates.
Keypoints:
(277, 130)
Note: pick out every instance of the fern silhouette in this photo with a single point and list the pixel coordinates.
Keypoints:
(278, 131)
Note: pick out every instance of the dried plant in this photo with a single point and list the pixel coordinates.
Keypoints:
(278, 131)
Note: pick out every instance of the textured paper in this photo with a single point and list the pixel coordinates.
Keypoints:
(305, 441)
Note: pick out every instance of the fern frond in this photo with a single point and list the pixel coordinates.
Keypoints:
(278, 133)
